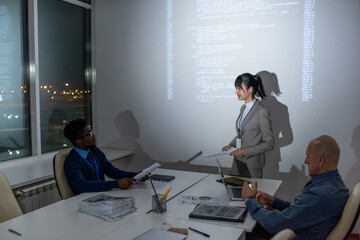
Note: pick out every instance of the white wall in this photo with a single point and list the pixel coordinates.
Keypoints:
(135, 110)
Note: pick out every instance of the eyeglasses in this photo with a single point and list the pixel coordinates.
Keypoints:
(91, 133)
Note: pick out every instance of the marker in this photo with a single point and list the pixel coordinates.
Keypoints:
(14, 232)
(202, 233)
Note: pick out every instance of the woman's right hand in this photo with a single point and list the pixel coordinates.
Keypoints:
(227, 147)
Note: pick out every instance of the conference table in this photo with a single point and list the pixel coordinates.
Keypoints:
(62, 220)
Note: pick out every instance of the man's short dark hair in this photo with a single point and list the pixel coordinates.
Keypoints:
(74, 129)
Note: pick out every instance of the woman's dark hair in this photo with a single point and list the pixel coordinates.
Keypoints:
(74, 129)
(250, 80)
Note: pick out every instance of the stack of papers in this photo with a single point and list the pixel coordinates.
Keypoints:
(107, 207)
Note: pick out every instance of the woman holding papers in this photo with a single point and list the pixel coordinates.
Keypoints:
(253, 127)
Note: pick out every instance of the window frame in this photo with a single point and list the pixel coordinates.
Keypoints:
(38, 166)
(34, 81)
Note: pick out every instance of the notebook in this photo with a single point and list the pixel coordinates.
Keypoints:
(234, 192)
(219, 212)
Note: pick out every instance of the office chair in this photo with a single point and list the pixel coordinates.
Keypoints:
(59, 174)
(9, 207)
(349, 216)
(286, 234)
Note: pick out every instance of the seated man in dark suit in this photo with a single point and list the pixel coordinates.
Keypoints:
(316, 210)
(86, 165)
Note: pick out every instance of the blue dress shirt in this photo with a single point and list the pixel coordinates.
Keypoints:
(314, 212)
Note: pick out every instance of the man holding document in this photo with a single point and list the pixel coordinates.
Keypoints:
(86, 164)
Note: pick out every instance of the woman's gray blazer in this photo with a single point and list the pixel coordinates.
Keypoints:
(256, 136)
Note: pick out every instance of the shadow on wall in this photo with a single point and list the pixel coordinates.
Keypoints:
(280, 123)
(294, 181)
(129, 133)
(353, 177)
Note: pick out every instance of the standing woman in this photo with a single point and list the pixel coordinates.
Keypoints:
(253, 126)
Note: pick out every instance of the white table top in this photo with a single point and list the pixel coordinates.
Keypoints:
(61, 220)
(209, 187)
(155, 220)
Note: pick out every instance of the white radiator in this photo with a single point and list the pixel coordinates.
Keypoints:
(37, 195)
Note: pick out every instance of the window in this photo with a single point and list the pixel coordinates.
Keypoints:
(14, 90)
(53, 57)
(64, 63)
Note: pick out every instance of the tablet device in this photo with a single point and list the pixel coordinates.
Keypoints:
(220, 212)
(162, 178)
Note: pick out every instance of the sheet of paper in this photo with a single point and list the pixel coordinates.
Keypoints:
(147, 171)
(214, 154)
(195, 200)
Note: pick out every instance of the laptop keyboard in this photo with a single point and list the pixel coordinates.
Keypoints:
(235, 192)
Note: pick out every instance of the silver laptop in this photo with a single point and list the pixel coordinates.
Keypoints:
(234, 192)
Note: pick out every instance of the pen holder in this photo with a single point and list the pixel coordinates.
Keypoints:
(156, 203)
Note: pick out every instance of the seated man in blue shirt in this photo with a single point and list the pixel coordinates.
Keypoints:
(316, 210)
(86, 164)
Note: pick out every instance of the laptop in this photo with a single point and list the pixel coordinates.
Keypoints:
(234, 192)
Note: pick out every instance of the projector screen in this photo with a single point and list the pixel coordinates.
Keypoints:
(166, 69)
(212, 40)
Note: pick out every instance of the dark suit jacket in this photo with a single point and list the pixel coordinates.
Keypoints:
(256, 136)
(82, 177)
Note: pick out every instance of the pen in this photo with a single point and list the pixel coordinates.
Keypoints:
(153, 188)
(202, 233)
(162, 199)
(15, 232)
